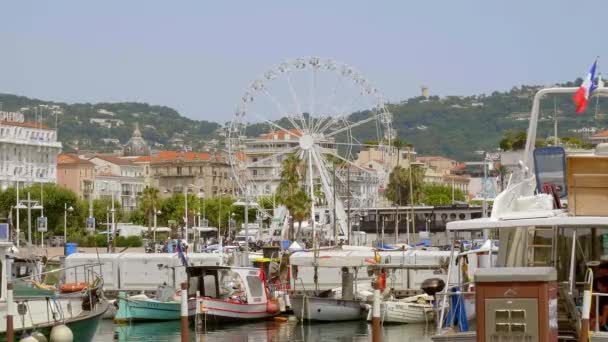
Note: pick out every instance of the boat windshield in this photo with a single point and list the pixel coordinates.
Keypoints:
(232, 286)
(255, 286)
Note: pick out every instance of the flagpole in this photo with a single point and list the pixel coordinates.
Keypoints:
(599, 81)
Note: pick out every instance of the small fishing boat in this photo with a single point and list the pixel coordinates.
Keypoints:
(414, 309)
(313, 308)
(228, 293)
(164, 307)
(41, 310)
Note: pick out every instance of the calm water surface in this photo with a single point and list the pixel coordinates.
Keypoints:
(264, 331)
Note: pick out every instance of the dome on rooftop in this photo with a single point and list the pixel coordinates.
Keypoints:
(136, 146)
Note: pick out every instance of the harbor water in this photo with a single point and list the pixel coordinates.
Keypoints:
(292, 330)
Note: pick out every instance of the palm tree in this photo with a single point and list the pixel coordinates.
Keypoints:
(502, 173)
(291, 193)
(398, 190)
(399, 145)
(301, 208)
(149, 203)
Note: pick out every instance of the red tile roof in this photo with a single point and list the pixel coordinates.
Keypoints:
(164, 156)
(114, 159)
(25, 124)
(432, 158)
(602, 134)
(281, 134)
(71, 159)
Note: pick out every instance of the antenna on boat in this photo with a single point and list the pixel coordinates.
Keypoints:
(556, 141)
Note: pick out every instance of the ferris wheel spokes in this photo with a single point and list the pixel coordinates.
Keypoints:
(356, 124)
(282, 112)
(274, 156)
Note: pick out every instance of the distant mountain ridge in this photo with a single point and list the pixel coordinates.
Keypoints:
(452, 126)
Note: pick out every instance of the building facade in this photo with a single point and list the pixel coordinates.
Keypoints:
(28, 151)
(119, 177)
(202, 173)
(76, 174)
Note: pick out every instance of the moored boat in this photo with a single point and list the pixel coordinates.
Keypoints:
(312, 308)
(415, 309)
(165, 307)
(230, 294)
(40, 309)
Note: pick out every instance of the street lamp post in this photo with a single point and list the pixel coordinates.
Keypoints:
(154, 232)
(186, 212)
(17, 208)
(108, 229)
(65, 226)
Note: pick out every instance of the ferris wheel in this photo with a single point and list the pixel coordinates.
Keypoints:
(325, 113)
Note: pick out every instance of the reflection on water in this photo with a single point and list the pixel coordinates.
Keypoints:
(264, 332)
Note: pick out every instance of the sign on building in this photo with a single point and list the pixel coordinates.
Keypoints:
(90, 224)
(4, 232)
(12, 116)
(42, 224)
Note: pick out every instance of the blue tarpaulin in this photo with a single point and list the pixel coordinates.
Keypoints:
(457, 314)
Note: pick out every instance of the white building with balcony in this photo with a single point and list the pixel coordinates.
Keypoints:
(264, 173)
(28, 151)
(118, 177)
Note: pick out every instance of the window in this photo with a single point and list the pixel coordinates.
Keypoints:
(255, 286)
(179, 170)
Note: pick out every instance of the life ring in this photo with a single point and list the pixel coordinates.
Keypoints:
(73, 287)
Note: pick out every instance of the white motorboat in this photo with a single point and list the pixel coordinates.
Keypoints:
(328, 309)
(230, 294)
(534, 230)
(414, 309)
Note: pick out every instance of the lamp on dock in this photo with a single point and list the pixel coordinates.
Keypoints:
(66, 209)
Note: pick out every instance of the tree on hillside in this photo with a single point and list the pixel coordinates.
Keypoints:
(398, 190)
(291, 193)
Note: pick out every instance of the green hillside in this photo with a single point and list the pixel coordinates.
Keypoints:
(158, 124)
(451, 126)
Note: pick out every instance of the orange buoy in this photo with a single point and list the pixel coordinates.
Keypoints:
(281, 319)
(381, 284)
(73, 287)
(272, 306)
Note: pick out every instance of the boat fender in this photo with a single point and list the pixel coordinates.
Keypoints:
(381, 284)
(28, 339)
(39, 336)
(61, 333)
(272, 306)
(287, 300)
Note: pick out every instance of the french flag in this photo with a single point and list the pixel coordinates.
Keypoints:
(584, 92)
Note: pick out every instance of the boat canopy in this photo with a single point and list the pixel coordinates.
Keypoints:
(359, 258)
(559, 220)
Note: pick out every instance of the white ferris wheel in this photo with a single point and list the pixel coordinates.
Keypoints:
(324, 112)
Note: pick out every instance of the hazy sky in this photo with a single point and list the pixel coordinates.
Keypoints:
(199, 56)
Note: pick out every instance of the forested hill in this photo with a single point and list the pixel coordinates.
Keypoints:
(453, 126)
(83, 125)
(459, 126)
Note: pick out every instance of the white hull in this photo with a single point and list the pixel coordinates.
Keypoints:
(225, 309)
(403, 312)
(326, 309)
(39, 311)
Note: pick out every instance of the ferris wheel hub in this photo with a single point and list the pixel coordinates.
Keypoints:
(306, 141)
